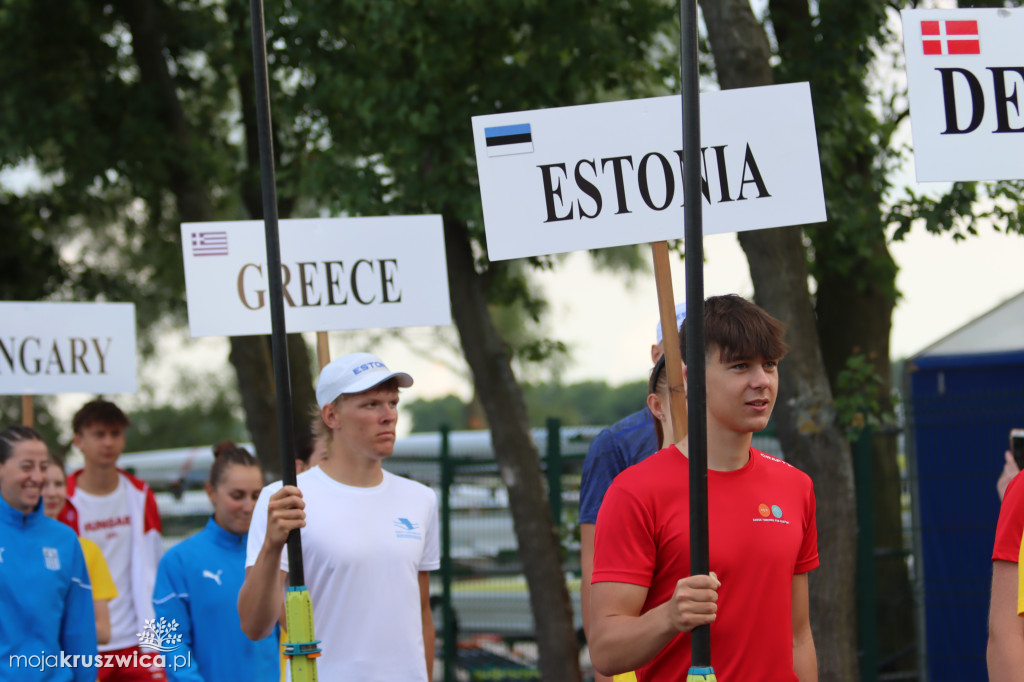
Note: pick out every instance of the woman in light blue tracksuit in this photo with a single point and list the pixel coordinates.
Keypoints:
(198, 580)
(47, 630)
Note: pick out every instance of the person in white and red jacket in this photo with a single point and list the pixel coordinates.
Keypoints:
(118, 512)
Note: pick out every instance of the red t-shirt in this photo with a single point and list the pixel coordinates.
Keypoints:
(1011, 522)
(761, 533)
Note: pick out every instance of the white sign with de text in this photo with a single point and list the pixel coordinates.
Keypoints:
(48, 348)
(965, 74)
(337, 273)
(600, 175)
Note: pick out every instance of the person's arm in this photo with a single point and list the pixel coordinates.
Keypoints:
(624, 640)
(1005, 629)
(76, 635)
(259, 600)
(586, 573)
(1010, 469)
(103, 587)
(805, 657)
(170, 600)
(429, 634)
(101, 607)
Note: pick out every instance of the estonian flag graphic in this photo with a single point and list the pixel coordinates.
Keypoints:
(505, 140)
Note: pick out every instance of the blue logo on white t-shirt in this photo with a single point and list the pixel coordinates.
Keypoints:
(404, 528)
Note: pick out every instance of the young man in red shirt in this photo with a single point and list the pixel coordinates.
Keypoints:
(762, 540)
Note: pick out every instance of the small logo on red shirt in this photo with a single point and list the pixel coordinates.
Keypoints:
(764, 510)
(950, 37)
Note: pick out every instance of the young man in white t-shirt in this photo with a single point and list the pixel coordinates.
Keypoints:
(118, 512)
(369, 538)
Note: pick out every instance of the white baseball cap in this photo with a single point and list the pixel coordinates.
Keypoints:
(354, 373)
(680, 316)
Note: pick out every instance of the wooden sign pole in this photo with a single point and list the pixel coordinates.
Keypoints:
(670, 340)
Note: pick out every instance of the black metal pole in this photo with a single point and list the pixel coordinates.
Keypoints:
(695, 369)
(278, 338)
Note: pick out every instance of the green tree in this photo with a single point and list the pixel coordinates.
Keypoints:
(131, 110)
(129, 113)
(587, 403)
(837, 46)
(205, 411)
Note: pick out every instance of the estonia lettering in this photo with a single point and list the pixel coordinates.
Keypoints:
(590, 186)
(34, 355)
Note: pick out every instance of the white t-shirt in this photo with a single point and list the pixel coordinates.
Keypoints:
(362, 550)
(106, 520)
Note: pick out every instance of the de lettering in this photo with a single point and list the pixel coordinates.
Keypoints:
(1007, 84)
(580, 195)
(324, 283)
(74, 355)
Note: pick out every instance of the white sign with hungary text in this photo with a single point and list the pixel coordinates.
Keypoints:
(49, 348)
(338, 273)
(600, 175)
(965, 75)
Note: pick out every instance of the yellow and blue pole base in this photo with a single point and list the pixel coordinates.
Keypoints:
(701, 675)
(302, 649)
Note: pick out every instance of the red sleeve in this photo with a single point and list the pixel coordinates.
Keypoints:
(807, 559)
(1011, 523)
(624, 545)
(152, 520)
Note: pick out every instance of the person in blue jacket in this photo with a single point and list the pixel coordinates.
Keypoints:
(198, 580)
(47, 629)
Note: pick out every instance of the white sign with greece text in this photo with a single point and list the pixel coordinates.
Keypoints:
(600, 175)
(338, 273)
(49, 348)
(965, 74)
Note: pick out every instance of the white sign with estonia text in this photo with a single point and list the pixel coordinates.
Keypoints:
(338, 273)
(600, 175)
(965, 74)
(49, 348)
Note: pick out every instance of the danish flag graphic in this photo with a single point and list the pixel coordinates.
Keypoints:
(950, 37)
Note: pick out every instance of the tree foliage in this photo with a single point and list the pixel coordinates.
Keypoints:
(586, 403)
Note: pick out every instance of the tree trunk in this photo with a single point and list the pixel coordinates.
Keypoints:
(804, 413)
(811, 441)
(517, 457)
(855, 316)
(254, 366)
(251, 357)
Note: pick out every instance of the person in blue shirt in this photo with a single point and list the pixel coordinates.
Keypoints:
(47, 629)
(198, 580)
(621, 445)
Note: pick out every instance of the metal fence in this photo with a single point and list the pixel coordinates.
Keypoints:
(480, 596)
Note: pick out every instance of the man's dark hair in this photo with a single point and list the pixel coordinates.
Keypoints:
(99, 412)
(739, 329)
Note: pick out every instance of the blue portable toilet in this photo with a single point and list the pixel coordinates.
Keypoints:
(966, 393)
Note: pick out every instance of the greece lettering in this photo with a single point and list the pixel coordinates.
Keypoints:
(324, 283)
(336, 273)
